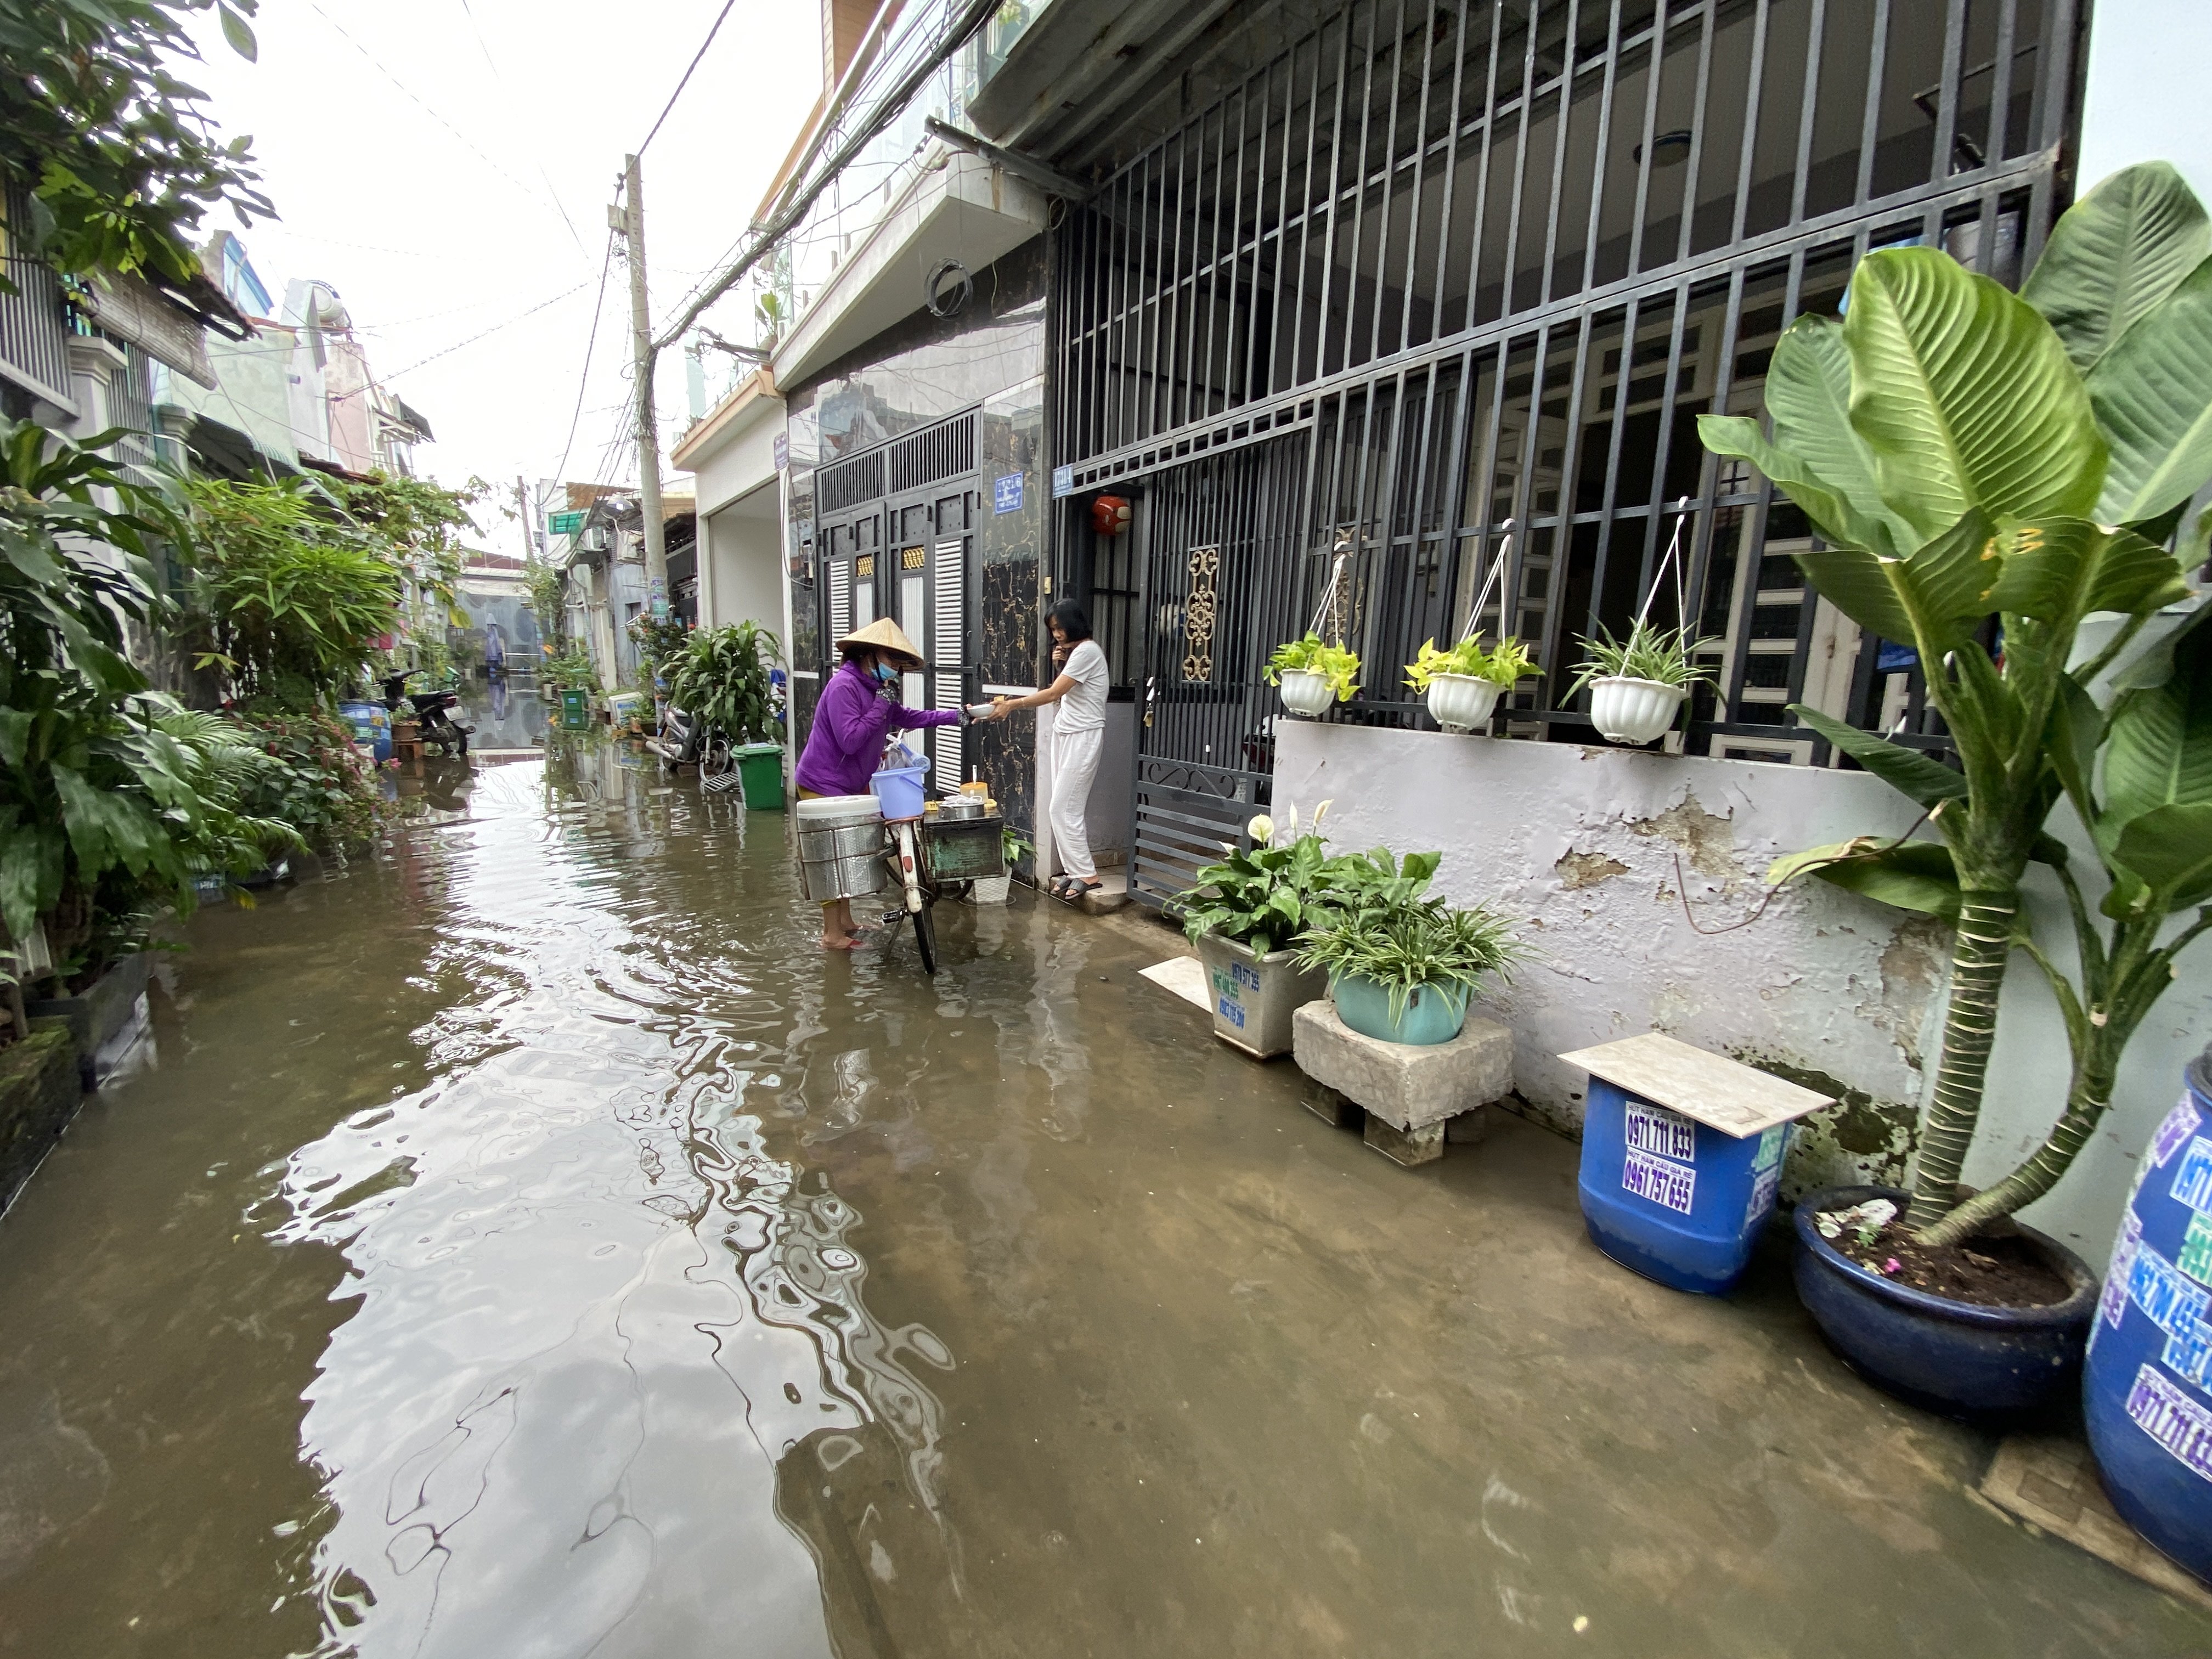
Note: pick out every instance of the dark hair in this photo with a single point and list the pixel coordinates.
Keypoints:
(1074, 620)
(853, 653)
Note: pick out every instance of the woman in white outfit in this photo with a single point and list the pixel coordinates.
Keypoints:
(1080, 692)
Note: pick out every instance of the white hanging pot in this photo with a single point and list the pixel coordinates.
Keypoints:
(1634, 711)
(1305, 691)
(1462, 702)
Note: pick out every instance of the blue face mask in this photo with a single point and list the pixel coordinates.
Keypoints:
(884, 673)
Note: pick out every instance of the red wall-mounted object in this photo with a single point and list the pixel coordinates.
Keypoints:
(1110, 515)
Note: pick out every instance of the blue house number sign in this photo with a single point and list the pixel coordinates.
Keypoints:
(1006, 494)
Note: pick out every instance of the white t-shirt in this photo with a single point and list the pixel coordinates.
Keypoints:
(1084, 709)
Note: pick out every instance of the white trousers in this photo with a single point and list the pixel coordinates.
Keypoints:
(1074, 763)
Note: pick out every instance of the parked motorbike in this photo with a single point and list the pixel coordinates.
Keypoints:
(684, 740)
(431, 710)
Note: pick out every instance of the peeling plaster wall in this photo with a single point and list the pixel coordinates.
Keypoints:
(1596, 851)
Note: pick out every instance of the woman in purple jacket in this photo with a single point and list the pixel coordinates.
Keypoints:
(858, 711)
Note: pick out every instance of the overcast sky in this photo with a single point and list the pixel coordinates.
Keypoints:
(446, 166)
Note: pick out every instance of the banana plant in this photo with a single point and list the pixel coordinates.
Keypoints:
(1986, 466)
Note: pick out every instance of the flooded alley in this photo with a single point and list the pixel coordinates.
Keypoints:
(525, 1242)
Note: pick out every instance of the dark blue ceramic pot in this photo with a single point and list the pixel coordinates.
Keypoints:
(1957, 1357)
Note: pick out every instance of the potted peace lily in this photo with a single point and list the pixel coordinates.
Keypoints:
(1402, 965)
(1463, 685)
(1245, 913)
(1637, 685)
(1313, 674)
(2020, 476)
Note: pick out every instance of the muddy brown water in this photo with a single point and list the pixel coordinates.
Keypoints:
(525, 1242)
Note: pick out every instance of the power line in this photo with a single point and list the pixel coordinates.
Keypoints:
(493, 329)
(435, 116)
(485, 46)
(583, 380)
(686, 80)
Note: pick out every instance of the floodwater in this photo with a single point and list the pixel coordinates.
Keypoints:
(525, 1243)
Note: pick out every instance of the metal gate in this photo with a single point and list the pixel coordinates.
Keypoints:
(896, 523)
(1224, 575)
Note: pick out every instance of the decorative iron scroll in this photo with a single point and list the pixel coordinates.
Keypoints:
(1198, 614)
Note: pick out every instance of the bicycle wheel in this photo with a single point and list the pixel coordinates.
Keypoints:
(925, 936)
(715, 756)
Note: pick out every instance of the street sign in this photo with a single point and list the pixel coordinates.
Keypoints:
(1006, 494)
(1063, 481)
(782, 450)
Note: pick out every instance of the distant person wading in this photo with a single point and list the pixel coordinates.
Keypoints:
(1080, 692)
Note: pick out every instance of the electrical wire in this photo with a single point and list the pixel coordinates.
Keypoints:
(720, 17)
(465, 140)
(493, 329)
(485, 46)
(583, 380)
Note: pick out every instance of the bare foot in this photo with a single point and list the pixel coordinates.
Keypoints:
(840, 942)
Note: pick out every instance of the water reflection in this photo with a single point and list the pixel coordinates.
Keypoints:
(607, 1330)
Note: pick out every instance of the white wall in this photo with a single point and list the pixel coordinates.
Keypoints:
(741, 563)
(2145, 99)
(1580, 846)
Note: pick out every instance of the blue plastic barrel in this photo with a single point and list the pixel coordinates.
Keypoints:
(1671, 1198)
(899, 788)
(371, 726)
(2146, 1389)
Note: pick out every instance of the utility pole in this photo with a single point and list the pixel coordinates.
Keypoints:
(522, 517)
(629, 219)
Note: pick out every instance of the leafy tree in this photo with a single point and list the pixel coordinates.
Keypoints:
(288, 596)
(111, 799)
(120, 160)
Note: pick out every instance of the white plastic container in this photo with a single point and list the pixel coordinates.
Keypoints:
(1634, 711)
(1306, 691)
(1462, 702)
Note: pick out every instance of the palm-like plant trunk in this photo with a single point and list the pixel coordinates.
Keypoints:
(2090, 1093)
(1982, 942)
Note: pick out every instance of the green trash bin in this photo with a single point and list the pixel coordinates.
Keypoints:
(760, 774)
(575, 709)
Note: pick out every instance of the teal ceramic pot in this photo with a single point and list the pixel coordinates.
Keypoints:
(1432, 1014)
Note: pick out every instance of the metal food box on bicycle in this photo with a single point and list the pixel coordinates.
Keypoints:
(963, 849)
(840, 846)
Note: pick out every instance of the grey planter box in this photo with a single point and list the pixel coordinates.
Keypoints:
(104, 1010)
(1254, 997)
(39, 1095)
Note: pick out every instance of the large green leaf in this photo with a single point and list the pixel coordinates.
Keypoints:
(1965, 396)
(2062, 569)
(2158, 751)
(1913, 875)
(2152, 396)
(1856, 585)
(1818, 458)
(1833, 512)
(2171, 848)
(2114, 255)
(1921, 778)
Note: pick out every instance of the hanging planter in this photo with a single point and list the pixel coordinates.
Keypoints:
(1311, 672)
(1637, 685)
(1305, 691)
(1462, 684)
(1636, 711)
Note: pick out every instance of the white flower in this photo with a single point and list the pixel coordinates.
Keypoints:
(1261, 829)
(1321, 811)
(1292, 832)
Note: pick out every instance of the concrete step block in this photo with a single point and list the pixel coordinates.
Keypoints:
(1406, 1086)
(1332, 1108)
(1411, 1147)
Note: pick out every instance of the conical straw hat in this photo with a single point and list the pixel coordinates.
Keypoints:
(885, 635)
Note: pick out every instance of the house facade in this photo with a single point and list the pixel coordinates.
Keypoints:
(1433, 293)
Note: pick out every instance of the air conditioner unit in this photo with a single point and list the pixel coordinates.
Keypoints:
(594, 539)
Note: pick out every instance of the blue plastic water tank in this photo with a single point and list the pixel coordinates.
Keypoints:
(2147, 1388)
(371, 726)
(1673, 1199)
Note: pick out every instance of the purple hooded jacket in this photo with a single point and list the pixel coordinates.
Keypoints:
(850, 724)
